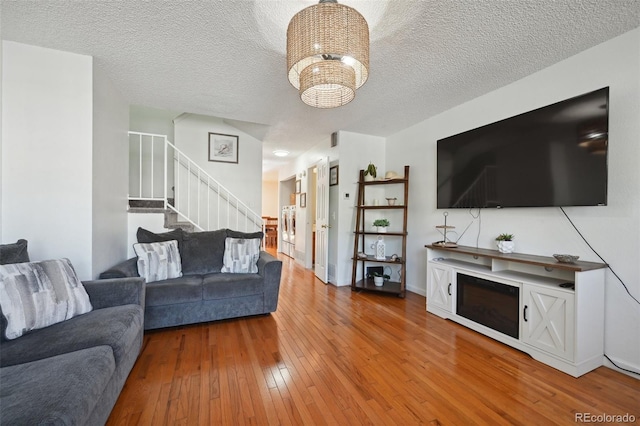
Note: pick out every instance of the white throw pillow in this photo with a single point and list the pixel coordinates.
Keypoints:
(35, 295)
(158, 261)
(241, 255)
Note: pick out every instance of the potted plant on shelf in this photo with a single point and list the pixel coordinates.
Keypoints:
(378, 278)
(506, 243)
(381, 225)
(370, 173)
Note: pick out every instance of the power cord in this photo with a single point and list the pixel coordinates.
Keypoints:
(621, 368)
(459, 236)
(479, 223)
(614, 273)
(597, 254)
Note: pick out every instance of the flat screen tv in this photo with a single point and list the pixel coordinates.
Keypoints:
(552, 156)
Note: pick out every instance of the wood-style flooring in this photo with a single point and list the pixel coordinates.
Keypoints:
(332, 356)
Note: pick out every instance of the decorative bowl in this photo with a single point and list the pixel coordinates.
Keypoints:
(391, 201)
(566, 258)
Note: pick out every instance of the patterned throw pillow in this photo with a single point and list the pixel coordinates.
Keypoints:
(241, 255)
(158, 261)
(39, 294)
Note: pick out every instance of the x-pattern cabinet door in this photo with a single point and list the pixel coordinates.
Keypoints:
(440, 286)
(548, 320)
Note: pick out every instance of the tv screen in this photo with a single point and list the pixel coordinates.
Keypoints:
(551, 156)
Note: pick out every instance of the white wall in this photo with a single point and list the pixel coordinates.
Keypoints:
(153, 222)
(351, 161)
(110, 174)
(192, 136)
(64, 175)
(152, 120)
(47, 153)
(614, 230)
(270, 198)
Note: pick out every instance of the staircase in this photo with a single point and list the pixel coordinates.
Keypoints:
(171, 218)
(163, 179)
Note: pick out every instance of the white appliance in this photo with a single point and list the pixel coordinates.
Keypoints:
(288, 230)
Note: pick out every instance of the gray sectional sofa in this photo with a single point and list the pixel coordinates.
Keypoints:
(204, 293)
(72, 372)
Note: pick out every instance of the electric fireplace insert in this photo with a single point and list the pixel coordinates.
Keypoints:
(489, 303)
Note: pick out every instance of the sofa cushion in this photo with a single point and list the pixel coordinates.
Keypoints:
(14, 253)
(116, 327)
(158, 261)
(202, 252)
(146, 236)
(38, 294)
(177, 290)
(63, 389)
(241, 255)
(223, 286)
(248, 235)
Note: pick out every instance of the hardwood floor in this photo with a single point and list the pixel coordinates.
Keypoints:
(330, 356)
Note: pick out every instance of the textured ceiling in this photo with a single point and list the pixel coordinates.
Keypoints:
(227, 58)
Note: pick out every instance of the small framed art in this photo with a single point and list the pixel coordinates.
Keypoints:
(223, 148)
(303, 199)
(333, 176)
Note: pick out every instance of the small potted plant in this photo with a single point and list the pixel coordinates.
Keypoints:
(370, 173)
(378, 278)
(381, 225)
(506, 243)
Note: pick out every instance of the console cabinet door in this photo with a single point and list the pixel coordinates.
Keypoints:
(548, 320)
(440, 286)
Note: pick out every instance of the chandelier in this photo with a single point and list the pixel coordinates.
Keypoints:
(328, 53)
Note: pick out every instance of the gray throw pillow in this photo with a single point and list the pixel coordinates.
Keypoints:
(14, 253)
(146, 236)
(246, 235)
(202, 252)
(39, 294)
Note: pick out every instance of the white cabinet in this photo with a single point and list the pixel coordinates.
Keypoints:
(440, 283)
(561, 306)
(548, 320)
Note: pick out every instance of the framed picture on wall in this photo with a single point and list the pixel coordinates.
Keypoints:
(303, 199)
(223, 148)
(298, 186)
(333, 176)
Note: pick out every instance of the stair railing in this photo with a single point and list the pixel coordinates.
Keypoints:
(197, 198)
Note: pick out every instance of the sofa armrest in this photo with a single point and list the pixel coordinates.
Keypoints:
(128, 268)
(115, 292)
(271, 269)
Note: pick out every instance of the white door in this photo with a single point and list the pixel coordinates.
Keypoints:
(440, 287)
(548, 320)
(322, 221)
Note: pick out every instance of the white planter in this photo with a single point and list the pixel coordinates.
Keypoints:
(378, 281)
(381, 229)
(506, 246)
(368, 178)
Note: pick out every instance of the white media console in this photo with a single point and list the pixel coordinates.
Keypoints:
(560, 305)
